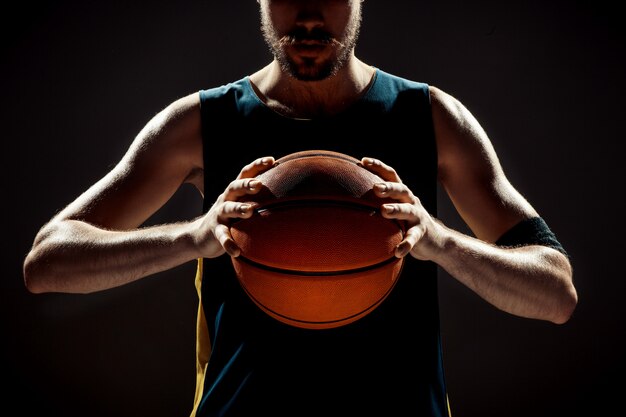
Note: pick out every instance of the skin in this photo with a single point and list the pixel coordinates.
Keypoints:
(97, 241)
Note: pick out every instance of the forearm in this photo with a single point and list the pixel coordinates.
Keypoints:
(531, 281)
(76, 257)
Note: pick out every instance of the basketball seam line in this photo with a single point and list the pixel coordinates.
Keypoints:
(360, 313)
(319, 202)
(319, 154)
(316, 273)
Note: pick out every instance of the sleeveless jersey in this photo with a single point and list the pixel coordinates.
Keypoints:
(388, 363)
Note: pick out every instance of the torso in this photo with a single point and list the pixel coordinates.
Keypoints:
(258, 363)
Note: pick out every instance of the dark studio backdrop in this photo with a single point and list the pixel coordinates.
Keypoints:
(80, 79)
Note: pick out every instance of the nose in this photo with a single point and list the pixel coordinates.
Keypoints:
(310, 15)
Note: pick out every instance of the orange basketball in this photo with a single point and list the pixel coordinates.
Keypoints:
(317, 254)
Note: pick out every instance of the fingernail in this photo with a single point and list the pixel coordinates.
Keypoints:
(368, 161)
(401, 251)
(244, 208)
(382, 188)
(266, 161)
(231, 248)
(389, 209)
(252, 185)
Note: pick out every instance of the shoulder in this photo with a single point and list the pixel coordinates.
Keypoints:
(447, 107)
(170, 139)
(178, 114)
(178, 122)
(460, 137)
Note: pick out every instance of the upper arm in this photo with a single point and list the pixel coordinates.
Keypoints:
(470, 172)
(166, 153)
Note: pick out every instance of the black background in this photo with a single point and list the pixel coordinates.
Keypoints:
(80, 79)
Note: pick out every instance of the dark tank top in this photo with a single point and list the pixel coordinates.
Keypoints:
(388, 363)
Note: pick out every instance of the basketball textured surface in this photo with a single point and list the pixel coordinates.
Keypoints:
(317, 253)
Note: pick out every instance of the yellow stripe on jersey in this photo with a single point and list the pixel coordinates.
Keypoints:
(203, 344)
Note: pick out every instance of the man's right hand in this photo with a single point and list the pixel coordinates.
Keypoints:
(213, 232)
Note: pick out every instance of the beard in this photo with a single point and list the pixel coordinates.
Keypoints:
(310, 67)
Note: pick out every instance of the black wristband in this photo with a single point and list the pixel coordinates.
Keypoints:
(532, 231)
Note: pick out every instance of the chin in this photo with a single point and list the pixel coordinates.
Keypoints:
(311, 75)
(312, 71)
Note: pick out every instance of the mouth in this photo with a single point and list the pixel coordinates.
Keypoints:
(309, 48)
(306, 41)
(302, 36)
(311, 42)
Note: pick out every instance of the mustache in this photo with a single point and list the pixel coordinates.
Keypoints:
(301, 34)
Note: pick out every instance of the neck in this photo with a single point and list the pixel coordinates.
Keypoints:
(309, 99)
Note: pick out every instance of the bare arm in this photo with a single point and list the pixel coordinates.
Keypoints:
(532, 281)
(96, 242)
(73, 256)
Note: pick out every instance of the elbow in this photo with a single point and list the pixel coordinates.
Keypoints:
(568, 299)
(567, 296)
(33, 271)
(37, 272)
(564, 297)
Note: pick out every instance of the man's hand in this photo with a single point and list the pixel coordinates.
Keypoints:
(531, 281)
(423, 237)
(213, 234)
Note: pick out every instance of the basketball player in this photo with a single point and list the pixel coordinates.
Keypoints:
(315, 94)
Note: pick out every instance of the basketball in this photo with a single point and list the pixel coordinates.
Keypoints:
(317, 253)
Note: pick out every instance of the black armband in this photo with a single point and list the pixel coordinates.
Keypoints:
(533, 231)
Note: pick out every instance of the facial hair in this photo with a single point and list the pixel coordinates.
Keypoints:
(309, 69)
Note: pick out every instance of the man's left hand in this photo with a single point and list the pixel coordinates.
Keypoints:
(424, 236)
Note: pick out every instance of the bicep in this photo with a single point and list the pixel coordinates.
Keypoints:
(471, 173)
(162, 156)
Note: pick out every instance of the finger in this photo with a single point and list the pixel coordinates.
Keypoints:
(412, 236)
(401, 211)
(256, 167)
(241, 187)
(233, 210)
(381, 169)
(395, 190)
(223, 236)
